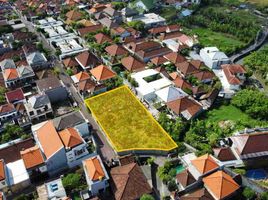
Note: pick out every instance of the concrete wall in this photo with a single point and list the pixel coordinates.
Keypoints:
(57, 162)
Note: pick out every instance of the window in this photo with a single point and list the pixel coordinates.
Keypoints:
(79, 152)
(31, 113)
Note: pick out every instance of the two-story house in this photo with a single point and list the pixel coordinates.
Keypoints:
(38, 107)
(96, 175)
(213, 57)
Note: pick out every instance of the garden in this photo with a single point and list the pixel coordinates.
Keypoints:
(127, 123)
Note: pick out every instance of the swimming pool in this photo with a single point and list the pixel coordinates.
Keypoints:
(179, 169)
(256, 174)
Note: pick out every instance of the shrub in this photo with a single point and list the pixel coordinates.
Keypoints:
(249, 194)
(147, 197)
(71, 181)
(172, 186)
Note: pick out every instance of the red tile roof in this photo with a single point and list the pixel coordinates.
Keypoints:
(250, 143)
(224, 154)
(175, 57)
(82, 76)
(204, 163)
(90, 29)
(230, 71)
(2, 170)
(116, 50)
(102, 73)
(159, 60)
(132, 64)
(94, 169)
(70, 62)
(186, 68)
(220, 184)
(15, 95)
(129, 182)
(101, 38)
(7, 108)
(70, 137)
(11, 74)
(73, 15)
(32, 157)
(185, 178)
(184, 104)
(87, 59)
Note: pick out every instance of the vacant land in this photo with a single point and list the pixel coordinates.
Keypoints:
(127, 123)
(168, 13)
(224, 113)
(224, 42)
(257, 2)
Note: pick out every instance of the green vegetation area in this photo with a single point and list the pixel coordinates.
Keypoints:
(217, 23)
(257, 62)
(225, 42)
(247, 109)
(169, 12)
(127, 123)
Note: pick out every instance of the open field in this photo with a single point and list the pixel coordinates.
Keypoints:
(127, 123)
(257, 2)
(224, 42)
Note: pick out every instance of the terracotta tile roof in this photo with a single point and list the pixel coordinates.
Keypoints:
(73, 15)
(224, 154)
(89, 29)
(153, 53)
(116, 50)
(186, 68)
(173, 27)
(7, 108)
(146, 46)
(159, 60)
(163, 71)
(220, 184)
(21, 63)
(102, 73)
(185, 178)
(197, 63)
(129, 182)
(127, 159)
(32, 157)
(157, 30)
(11, 74)
(132, 64)
(12, 152)
(101, 38)
(86, 22)
(94, 169)
(2, 170)
(184, 104)
(87, 85)
(171, 35)
(199, 194)
(204, 163)
(250, 143)
(174, 57)
(49, 139)
(181, 83)
(97, 8)
(204, 75)
(15, 95)
(81, 76)
(87, 59)
(70, 137)
(70, 62)
(230, 71)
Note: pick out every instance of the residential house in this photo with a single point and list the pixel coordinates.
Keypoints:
(7, 112)
(3, 175)
(102, 73)
(15, 96)
(34, 161)
(7, 64)
(169, 94)
(37, 60)
(114, 54)
(250, 148)
(96, 176)
(87, 60)
(108, 23)
(132, 64)
(53, 88)
(235, 76)
(102, 38)
(145, 5)
(175, 58)
(75, 146)
(91, 29)
(213, 57)
(11, 77)
(55, 190)
(128, 182)
(185, 107)
(26, 74)
(150, 20)
(128, 12)
(73, 16)
(39, 108)
(51, 146)
(186, 68)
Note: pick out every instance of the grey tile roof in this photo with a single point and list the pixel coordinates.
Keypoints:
(68, 120)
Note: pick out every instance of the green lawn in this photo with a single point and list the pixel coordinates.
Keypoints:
(224, 42)
(127, 123)
(224, 113)
(168, 12)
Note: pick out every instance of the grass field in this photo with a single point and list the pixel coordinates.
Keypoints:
(257, 2)
(127, 123)
(169, 12)
(226, 113)
(224, 42)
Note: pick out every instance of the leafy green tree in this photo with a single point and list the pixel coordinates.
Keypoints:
(147, 197)
(11, 132)
(3, 90)
(264, 196)
(172, 186)
(71, 181)
(69, 72)
(249, 194)
(138, 25)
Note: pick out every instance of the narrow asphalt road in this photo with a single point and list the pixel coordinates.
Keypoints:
(105, 149)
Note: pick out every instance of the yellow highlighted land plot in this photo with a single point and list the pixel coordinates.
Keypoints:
(127, 123)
